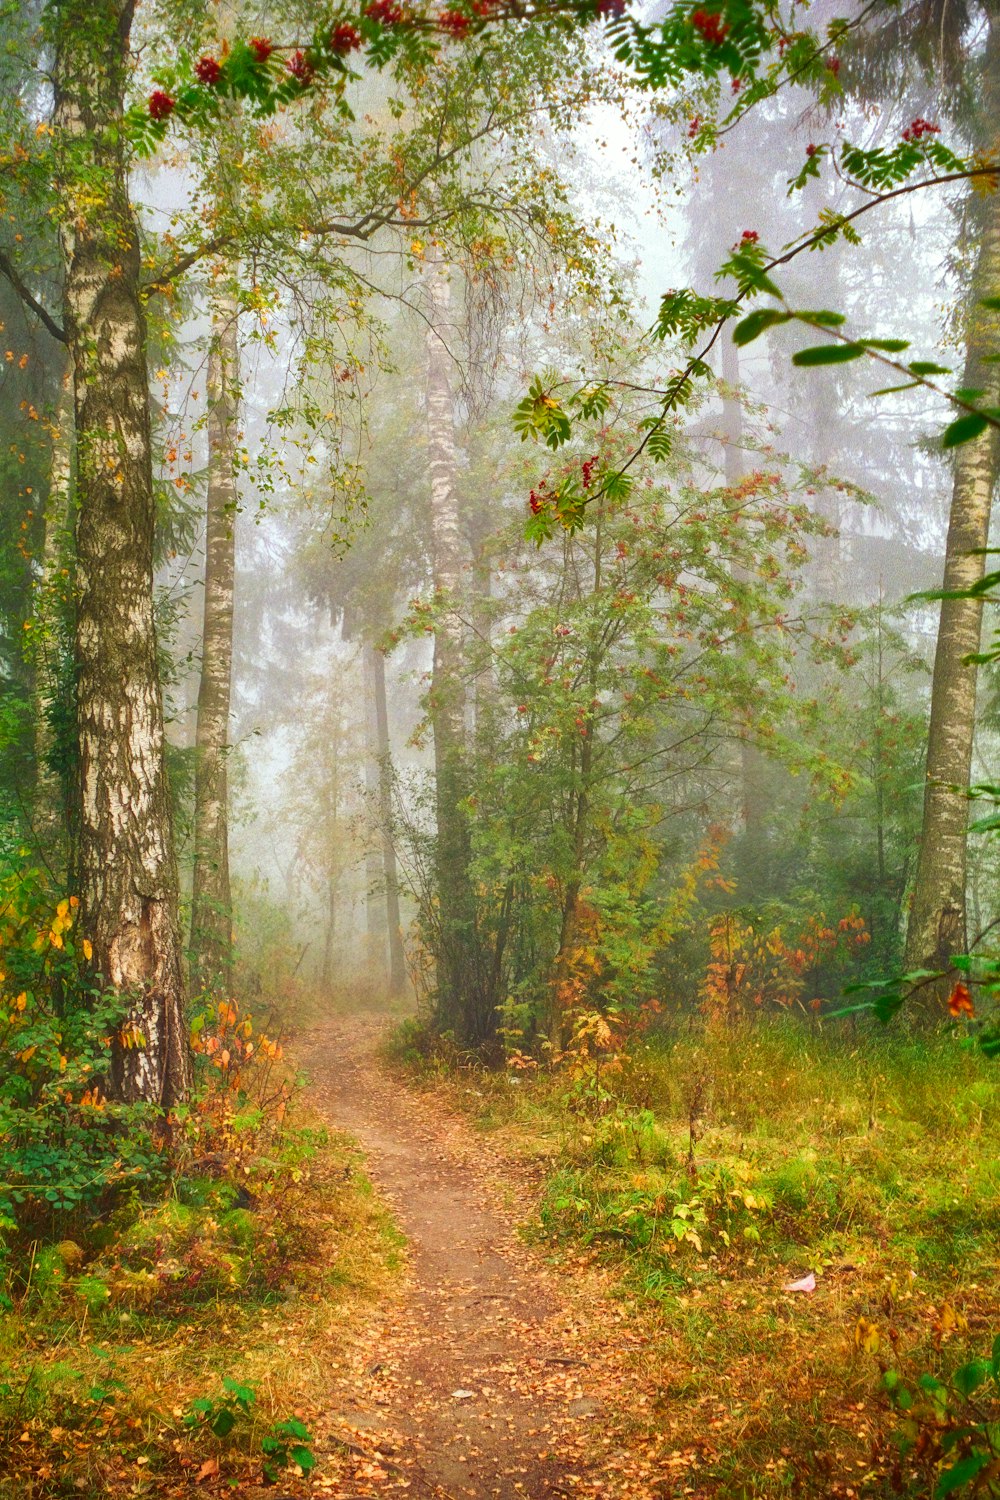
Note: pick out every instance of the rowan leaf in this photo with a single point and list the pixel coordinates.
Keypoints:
(827, 354)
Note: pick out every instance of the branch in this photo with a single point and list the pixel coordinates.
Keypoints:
(669, 396)
(8, 269)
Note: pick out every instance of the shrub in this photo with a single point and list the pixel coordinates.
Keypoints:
(66, 1152)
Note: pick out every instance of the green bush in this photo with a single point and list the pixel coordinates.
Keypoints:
(66, 1153)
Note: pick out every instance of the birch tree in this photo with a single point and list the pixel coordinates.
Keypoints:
(211, 912)
(937, 927)
(127, 866)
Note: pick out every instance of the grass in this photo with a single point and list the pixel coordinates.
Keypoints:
(114, 1361)
(708, 1171)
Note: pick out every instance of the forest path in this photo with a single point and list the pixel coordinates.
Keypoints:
(483, 1380)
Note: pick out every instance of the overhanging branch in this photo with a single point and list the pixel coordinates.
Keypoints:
(8, 269)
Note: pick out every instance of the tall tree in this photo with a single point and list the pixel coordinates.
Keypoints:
(938, 926)
(457, 988)
(212, 906)
(381, 790)
(50, 823)
(127, 865)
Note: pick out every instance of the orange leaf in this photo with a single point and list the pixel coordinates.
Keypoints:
(208, 1470)
(960, 1001)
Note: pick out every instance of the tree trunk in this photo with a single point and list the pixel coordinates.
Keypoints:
(127, 864)
(50, 813)
(456, 980)
(330, 936)
(578, 828)
(937, 925)
(753, 788)
(375, 912)
(212, 907)
(397, 958)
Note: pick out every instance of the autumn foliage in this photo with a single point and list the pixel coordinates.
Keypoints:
(753, 968)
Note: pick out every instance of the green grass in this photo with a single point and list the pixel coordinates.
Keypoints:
(708, 1170)
(102, 1358)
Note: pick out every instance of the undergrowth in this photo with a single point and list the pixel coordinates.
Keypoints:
(171, 1287)
(713, 1171)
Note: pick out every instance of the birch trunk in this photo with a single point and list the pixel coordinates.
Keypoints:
(212, 907)
(127, 865)
(458, 1009)
(937, 928)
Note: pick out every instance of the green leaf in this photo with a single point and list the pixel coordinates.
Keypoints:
(970, 1377)
(824, 317)
(890, 390)
(927, 367)
(294, 1428)
(964, 430)
(961, 1474)
(827, 354)
(245, 1394)
(225, 1421)
(993, 303)
(754, 324)
(891, 346)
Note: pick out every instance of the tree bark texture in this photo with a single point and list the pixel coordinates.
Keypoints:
(937, 928)
(376, 933)
(50, 813)
(460, 1006)
(212, 907)
(753, 782)
(127, 865)
(397, 958)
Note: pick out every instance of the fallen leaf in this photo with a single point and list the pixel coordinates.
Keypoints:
(208, 1470)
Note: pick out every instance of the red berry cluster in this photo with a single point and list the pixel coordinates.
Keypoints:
(919, 127)
(455, 22)
(749, 237)
(613, 8)
(261, 47)
(386, 12)
(301, 68)
(345, 38)
(161, 105)
(711, 25)
(536, 500)
(208, 70)
(811, 149)
(833, 65)
(587, 469)
(736, 85)
(694, 125)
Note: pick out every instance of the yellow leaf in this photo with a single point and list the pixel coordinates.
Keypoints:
(88, 949)
(867, 1337)
(985, 181)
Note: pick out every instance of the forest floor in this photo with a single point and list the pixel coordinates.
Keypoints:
(496, 1372)
(467, 1286)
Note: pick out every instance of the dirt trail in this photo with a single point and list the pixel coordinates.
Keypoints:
(482, 1383)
